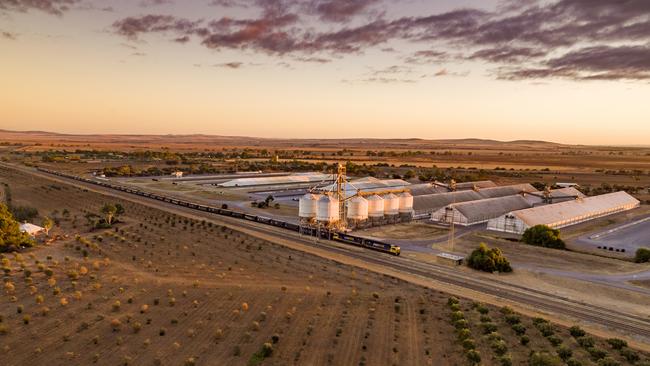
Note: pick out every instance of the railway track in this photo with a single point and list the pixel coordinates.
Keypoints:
(632, 325)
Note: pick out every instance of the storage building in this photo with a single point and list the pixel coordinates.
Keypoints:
(564, 214)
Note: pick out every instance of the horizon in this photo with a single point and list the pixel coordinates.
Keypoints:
(499, 70)
(462, 139)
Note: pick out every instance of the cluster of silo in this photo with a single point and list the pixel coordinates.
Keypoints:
(317, 207)
(373, 210)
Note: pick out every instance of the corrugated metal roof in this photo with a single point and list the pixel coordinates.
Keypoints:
(429, 188)
(571, 210)
(289, 179)
(370, 185)
(483, 210)
(433, 202)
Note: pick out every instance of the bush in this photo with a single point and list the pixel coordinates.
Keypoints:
(499, 347)
(608, 361)
(564, 352)
(473, 357)
(577, 332)
(512, 319)
(546, 329)
(543, 236)
(630, 355)
(555, 340)
(543, 359)
(573, 362)
(524, 340)
(642, 255)
(505, 360)
(464, 334)
(596, 353)
(585, 342)
(469, 344)
(488, 260)
(616, 343)
(488, 328)
(519, 328)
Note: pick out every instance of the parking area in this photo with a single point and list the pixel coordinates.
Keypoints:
(623, 239)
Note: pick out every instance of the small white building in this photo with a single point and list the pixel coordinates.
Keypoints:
(31, 229)
(177, 174)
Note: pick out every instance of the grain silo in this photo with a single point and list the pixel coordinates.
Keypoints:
(405, 204)
(391, 205)
(308, 206)
(328, 210)
(357, 209)
(375, 207)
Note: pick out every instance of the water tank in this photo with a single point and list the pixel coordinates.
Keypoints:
(391, 204)
(308, 206)
(375, 206)
(405, 202)
(358, 208)
(328, 209)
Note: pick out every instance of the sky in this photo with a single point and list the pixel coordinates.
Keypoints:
(572, 71)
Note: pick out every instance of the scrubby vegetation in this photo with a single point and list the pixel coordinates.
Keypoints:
(11, 238)
(488, 260)
(543, 236)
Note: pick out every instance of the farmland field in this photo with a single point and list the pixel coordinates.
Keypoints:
(159, 288)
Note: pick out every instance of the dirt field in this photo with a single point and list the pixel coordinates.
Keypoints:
(413, 230)
(163, 289)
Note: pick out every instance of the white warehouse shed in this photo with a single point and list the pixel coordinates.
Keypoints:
(564, 214)
(477, 212)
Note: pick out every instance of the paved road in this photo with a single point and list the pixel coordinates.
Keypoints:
(629, 236)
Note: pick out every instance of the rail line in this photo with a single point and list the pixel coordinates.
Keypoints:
(633, 325)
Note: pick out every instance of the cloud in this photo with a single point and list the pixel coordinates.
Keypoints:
(230, 65)
(55, 7)
(591, 63)
(150, 3)
(340, 10)
(521, 39)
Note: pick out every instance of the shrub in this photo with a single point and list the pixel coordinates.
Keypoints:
(564, 352)
(469, 344)
(642, 255)
(507, 310)
(488, 328)
(464, 334)
(543, 359)
(543, 236)
(546, 329)
(608, 361)
(577, 332)
(275, 338)
(457, 315)
(519, 328)
(505, 360)
(555, 340)
(512, 319)
(573, 362)
(488, 260)
(617, 343)
(473, 357)
(585, 342)
(524, 340)
(499, 347)
(596, 353)
(630, 355)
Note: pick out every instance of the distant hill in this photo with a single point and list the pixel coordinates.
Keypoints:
(202, 141)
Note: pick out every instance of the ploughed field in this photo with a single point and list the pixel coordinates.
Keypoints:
(161, 289)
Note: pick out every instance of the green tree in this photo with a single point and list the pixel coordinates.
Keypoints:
(543, 236)
(488, 260)
(109, 212)
(11, 238)
(642, 255)
(47, 225)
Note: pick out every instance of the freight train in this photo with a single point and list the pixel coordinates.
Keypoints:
(310, 231)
